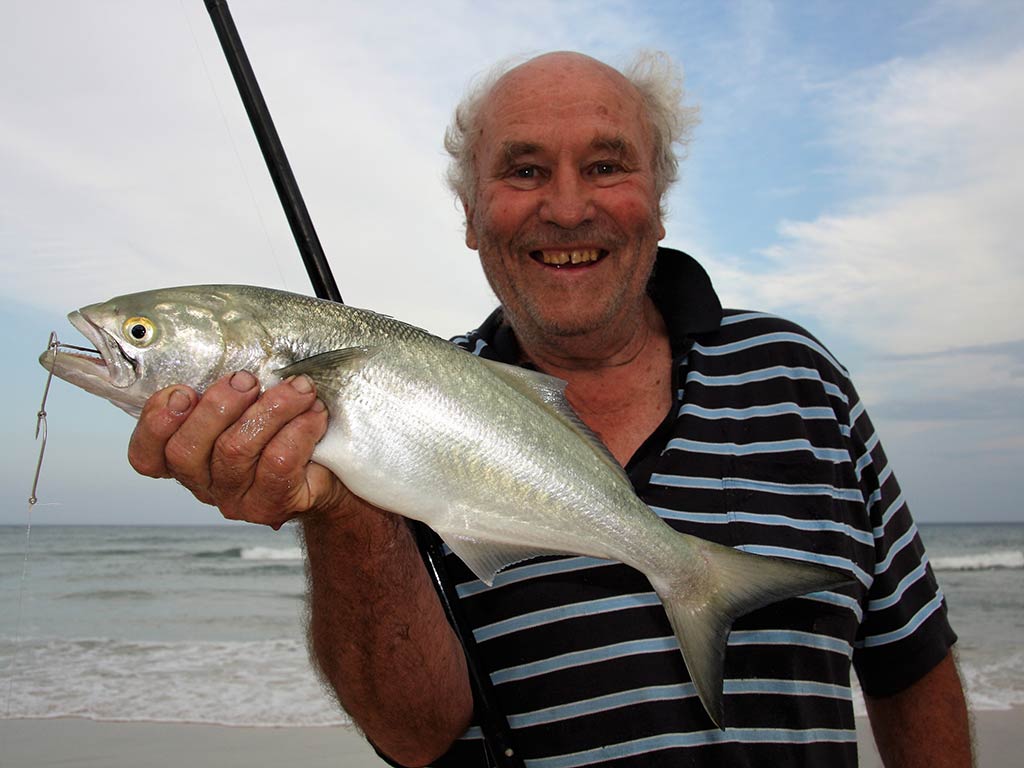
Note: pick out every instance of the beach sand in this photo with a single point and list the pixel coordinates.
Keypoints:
(72, 743)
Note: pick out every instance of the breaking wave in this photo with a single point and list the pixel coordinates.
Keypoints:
(272, 553)
(982, 561)
(265, 683)
(253, 553)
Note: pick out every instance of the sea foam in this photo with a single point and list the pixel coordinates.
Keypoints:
(271, 553)
(982, 561)
(262, 683)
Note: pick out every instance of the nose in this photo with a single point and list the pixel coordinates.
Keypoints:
(567, 199)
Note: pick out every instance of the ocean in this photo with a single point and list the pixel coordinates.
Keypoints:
(206, 624)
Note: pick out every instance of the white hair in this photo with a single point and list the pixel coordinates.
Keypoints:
(656, 77)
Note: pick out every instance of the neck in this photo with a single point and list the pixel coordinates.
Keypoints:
(598, 351)
(620, 385)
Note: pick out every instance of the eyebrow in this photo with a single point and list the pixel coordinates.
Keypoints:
(617, 145)
(513, 150)
(510, 153)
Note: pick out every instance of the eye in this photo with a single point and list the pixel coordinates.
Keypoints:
(605, 169)
(139, 330)
(525, 176)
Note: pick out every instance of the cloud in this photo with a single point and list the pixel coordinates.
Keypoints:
(976, 381)
(988, 403)
(925, 252)
(1009, 354)
(120, 175)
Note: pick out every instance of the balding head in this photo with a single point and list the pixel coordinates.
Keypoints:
(560, 70)
(651, 83)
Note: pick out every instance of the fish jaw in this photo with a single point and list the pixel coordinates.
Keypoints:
(110, 372)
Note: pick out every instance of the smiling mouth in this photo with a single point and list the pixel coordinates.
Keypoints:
(578, 257)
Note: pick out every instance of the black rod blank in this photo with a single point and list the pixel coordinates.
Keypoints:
(492, 722)
(273, 152)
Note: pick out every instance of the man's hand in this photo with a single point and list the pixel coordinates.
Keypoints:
(245, 453)
(377, 630)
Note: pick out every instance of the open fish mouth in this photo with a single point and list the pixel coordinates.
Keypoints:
(108, 365)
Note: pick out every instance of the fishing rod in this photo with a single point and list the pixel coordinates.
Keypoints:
(493, 724)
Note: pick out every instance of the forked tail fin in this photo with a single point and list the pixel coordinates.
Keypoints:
(731, 584)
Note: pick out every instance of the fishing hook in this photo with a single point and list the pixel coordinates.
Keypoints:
(53, 344)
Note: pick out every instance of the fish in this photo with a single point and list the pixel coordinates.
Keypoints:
(491, 456)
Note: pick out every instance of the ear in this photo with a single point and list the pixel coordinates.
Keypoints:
(471, 239)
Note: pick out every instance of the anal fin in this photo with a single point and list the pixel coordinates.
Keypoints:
(486, 558)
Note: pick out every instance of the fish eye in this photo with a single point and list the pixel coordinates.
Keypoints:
(139, 330)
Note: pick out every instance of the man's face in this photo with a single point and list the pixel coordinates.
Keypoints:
(565, 217)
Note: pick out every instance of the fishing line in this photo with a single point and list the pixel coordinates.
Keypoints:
(52, 345)
(234, 146)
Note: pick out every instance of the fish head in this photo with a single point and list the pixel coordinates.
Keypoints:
(147, 341)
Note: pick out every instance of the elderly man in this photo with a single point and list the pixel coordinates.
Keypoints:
(734, 426)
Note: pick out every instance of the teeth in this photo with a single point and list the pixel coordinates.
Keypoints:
(558, 258)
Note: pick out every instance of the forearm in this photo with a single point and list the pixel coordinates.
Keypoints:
(926, 725)
(379, 634)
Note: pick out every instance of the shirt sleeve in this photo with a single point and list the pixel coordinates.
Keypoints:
(905, 631)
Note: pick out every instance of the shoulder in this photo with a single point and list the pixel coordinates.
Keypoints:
(752, 339)
(759, 359)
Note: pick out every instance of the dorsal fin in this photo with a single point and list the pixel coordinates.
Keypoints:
(549, 393)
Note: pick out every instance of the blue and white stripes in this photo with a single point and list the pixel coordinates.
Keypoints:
(771, 451)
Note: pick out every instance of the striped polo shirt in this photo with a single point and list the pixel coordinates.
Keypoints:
(767, 449)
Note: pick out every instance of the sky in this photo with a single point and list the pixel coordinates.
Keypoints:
(857, 168)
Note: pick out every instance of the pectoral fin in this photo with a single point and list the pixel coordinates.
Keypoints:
(330, 369)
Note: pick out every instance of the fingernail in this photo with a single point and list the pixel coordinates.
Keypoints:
(179, 402)
(318, 406)
(302, 384)
(243, 381)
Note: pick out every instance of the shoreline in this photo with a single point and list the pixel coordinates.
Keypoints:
(72, 742)
(80, 743)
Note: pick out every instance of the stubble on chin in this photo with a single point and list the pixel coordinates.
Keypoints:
(553, 329)
(541, 319)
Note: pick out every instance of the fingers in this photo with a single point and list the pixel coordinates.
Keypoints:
(246, 453)
(190, 449)
(260, 466)
(162, 416)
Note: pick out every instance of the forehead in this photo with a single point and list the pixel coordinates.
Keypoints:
(554, 100)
